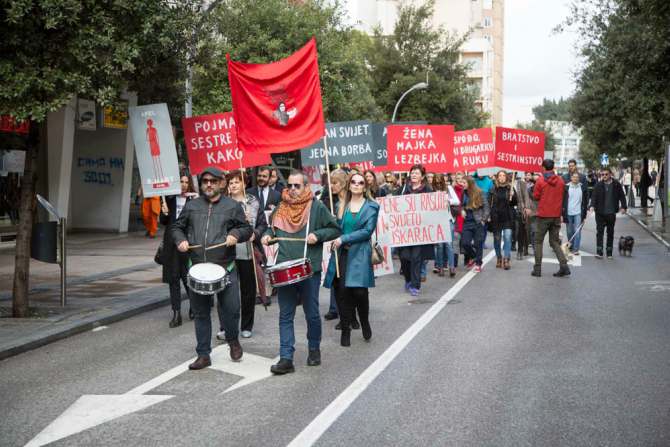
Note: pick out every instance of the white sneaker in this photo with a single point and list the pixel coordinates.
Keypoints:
(245, 334)
(221, 335)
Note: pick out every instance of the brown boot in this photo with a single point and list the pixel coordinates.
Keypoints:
(203, 361)
(235, 350)
(506, 264)
(499, 263)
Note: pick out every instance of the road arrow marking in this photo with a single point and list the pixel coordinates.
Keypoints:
(92, 410)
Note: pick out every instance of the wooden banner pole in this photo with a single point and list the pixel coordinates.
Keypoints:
(330, 196)
(250, 245)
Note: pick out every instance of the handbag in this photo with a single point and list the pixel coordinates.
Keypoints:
(158, 257)
(377, 254)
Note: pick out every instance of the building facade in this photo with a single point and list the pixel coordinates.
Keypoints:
(566, 140)
(483, 51)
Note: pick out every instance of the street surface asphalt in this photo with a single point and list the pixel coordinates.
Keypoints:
(511, 360)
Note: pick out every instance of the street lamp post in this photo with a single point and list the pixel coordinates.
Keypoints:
(419, 86)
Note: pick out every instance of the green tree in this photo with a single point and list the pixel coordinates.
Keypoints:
(413, 51)
(553, 110)
(262, 32)
(52, 50)
(622, 101)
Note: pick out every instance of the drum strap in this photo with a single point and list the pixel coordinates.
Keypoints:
(304, 255)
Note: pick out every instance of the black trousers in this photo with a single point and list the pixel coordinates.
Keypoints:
(175, 292)
(411, 268)
(247, 293)
(605, 221)
(349, 300)
(521, 235)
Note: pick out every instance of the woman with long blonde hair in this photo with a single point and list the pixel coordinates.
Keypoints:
(475, 213)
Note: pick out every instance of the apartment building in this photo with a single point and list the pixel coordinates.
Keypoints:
(483, 50)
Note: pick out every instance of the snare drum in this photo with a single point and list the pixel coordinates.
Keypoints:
(207, 278)
(289, 272)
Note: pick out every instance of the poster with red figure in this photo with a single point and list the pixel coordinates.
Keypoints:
(155, 150)
(211, 140)
(519, 149)
(430, 146)
(473, 149)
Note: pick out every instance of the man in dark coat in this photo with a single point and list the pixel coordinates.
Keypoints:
(608, 197)
(268, 196)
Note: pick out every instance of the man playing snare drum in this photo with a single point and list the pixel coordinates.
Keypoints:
(209, 220)
(288, 227)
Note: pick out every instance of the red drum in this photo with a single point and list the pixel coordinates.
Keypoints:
(289, 272)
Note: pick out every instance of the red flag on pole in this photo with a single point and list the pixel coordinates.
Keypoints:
(277, 106)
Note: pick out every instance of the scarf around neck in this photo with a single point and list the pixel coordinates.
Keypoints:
(291, 216)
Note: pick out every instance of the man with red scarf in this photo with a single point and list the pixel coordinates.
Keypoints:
(288, 227)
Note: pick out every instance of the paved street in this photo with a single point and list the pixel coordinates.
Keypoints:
(494, 359)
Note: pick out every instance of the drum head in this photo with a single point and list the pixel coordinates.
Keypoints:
(207, 272)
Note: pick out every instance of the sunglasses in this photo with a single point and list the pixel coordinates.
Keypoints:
(359, 183)
(210, 181)
(294, 186)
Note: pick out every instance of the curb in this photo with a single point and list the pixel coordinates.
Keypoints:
(83, 325)
(654, 234)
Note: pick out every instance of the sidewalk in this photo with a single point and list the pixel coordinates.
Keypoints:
(658, 229)
(110, 277)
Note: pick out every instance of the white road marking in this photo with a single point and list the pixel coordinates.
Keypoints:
(332, 412)
(91, 410)
(99, 328)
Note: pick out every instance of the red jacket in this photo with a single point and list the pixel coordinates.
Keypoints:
(459, 219)
(548, 192)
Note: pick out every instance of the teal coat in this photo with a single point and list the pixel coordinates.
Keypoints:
(359, 266)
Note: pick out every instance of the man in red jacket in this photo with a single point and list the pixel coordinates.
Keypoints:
(548, 191)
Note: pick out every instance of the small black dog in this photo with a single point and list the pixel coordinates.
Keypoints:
(626, 245)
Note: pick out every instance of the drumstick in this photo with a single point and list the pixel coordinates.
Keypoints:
(297, 239)
(222, 244)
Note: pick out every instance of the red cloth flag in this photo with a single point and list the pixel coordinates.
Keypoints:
(278, 106)
(519, 149)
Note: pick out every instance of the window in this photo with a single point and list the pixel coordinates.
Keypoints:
(488, 4)
(488, 22)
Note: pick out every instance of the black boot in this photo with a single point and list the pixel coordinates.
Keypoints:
(367, 330)
(563, 271)
(345, 337)
(176, 318)
(354, 324)
(314, 357)
(283, 366)
(536, 272)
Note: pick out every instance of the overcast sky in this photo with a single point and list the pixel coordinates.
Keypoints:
(538, 63)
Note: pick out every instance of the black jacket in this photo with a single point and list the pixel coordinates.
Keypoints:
(207, 224)
(274, 197)
(502, 207)
(598, 197)
(174, 262)
(585, 201)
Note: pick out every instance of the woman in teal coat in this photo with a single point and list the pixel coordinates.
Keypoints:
(357, 217)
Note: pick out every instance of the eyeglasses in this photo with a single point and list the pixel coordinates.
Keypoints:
(210, 181)
(359, 183)
(294, 186)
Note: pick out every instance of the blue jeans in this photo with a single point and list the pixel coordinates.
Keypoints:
(573, 223)
(332, 308)
(444, 253)
(228, 304)
(506, 236)
(287, 296)
(472, 239)
(424, 266)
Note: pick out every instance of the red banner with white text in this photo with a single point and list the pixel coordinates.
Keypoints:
(519, 149)
(430, 146)
(211, 140)
(473, 149)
